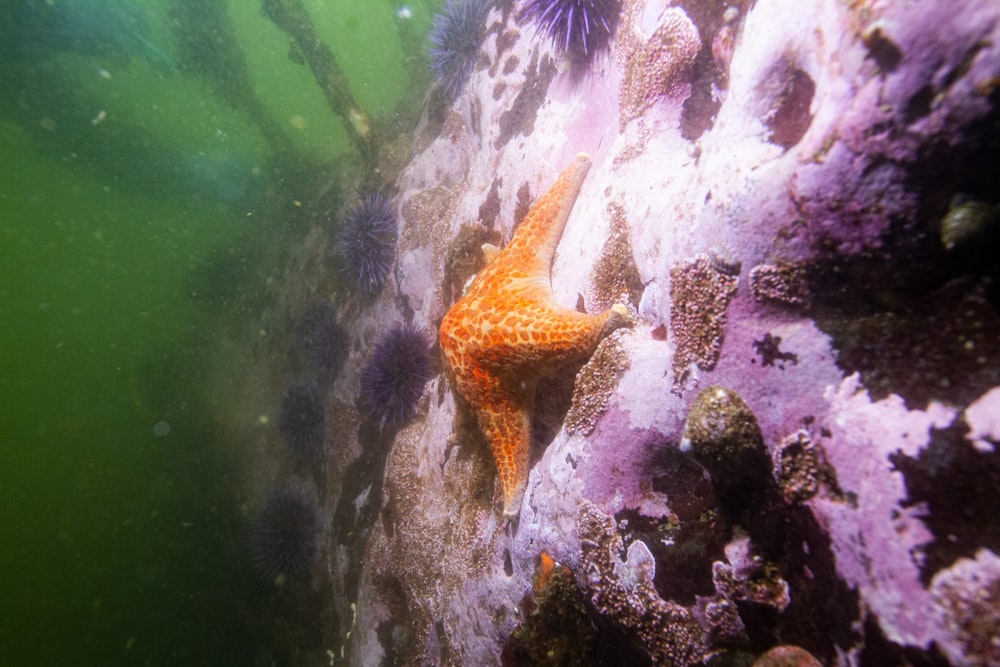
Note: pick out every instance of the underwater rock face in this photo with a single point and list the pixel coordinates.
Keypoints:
(733, 437)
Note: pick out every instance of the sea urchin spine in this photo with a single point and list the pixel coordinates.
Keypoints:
(301, 420)
(283, 537)
(455, 38)
(578, 27)
(368, 242)
(393, 379)
(325, 341)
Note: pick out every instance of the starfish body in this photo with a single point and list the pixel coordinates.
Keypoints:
(507, 332)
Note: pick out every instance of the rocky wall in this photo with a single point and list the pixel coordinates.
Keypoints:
(794, 441)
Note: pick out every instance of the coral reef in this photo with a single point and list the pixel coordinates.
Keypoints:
(595, 384)
(752, 582)
(616, 277)
(466, 258)
(800, 466)
(561, 627)
(623, 591)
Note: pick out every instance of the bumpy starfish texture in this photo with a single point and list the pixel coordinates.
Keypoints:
(507, 332)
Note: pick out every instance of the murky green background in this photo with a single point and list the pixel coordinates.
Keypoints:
(122, 181)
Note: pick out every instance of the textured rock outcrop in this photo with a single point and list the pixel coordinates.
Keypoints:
(773, 180)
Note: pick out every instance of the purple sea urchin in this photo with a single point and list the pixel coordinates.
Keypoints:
(283, 537)
(578, 27)
(301, 421)
(455, 38)
(394, 377)
(368, 242)
(324, 339)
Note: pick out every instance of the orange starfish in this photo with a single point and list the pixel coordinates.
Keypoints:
(507, 332)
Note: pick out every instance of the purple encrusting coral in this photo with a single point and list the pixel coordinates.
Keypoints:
(455, 37)
(368, 242)
(581, 28)
(394, 377)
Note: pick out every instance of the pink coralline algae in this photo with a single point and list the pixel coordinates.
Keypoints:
(983, 417)
(699, 297)
(969, 601)
(750, 580)
(881, 564)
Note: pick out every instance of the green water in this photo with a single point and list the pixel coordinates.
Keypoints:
(121, 545)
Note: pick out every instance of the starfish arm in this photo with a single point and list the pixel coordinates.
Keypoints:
(540, 231)
(503, 411)
(505, 420)
(507, 332)
(556, 337)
